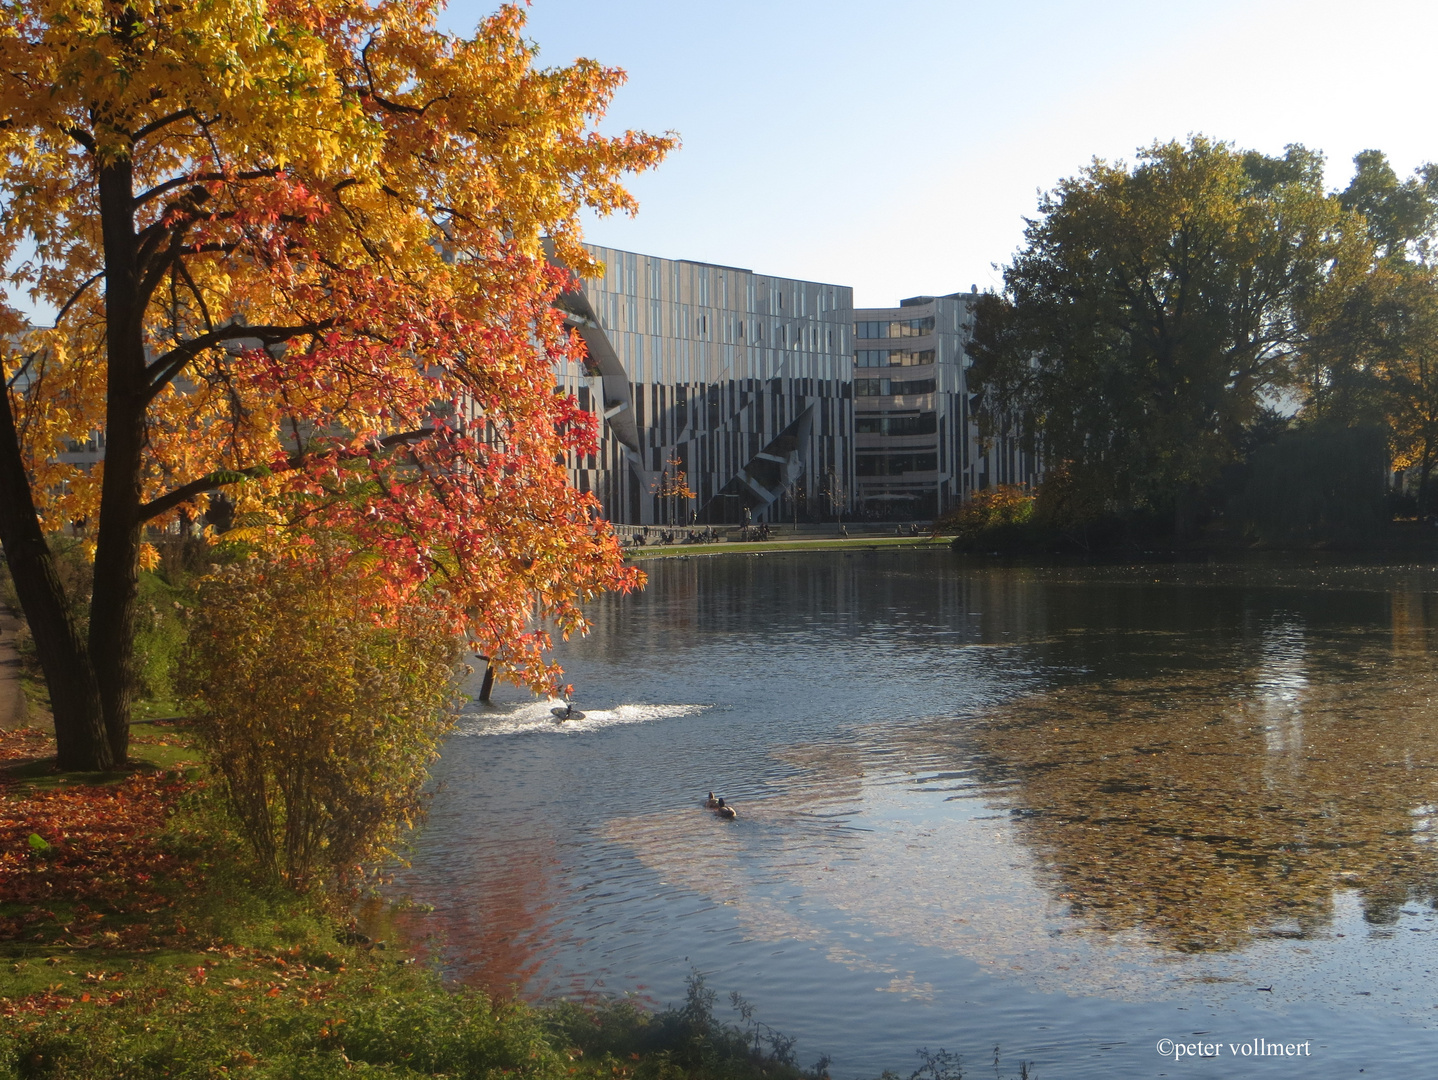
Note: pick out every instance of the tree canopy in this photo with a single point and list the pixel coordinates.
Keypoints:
(1156, 311)
(294, 247)
(1373, 353)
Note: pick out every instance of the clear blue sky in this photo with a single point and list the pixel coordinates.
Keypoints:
(897, 146)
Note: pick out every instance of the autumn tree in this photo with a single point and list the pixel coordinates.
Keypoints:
(672, 487)
(1373, 352)
(1154, 311)
(294, 251)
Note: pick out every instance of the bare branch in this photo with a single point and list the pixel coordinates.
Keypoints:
(76, 296)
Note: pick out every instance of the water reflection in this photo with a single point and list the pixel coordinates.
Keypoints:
(1128, 784)
(1220, 805)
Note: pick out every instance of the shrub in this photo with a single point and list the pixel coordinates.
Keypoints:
(995, 517)
(320, 706)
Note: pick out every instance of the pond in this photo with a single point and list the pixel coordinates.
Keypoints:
(1071, 811)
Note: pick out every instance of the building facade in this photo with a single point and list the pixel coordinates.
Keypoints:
(918, 450)
(729, 397)
(724, 394)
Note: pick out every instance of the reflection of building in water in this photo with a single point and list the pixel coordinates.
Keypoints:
(729, 396)
(1279, 686)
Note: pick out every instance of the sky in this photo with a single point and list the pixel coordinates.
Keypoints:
(898, 146)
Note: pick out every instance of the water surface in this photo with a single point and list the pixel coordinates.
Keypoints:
(1072, 811)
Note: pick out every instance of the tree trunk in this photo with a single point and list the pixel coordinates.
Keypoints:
(80, 740)
(1425, 471)
(117, 551)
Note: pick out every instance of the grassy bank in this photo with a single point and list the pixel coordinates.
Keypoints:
(136, 940)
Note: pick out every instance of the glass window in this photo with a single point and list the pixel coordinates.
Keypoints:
(895, 328)
(892, 357)
(894, 464)
(887, 387)
(922, 424)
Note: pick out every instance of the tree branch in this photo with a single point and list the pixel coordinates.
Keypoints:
(202, 178)
(228, 477)
(164, 122)
(165, 368)
(76, 296)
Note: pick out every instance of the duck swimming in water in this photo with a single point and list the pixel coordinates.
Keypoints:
(725, 811)
(712, 803)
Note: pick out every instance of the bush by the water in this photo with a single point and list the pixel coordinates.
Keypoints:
(320, 712)
(997, 517)
(139, 940)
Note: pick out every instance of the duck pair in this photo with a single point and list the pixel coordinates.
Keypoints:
(720, 807)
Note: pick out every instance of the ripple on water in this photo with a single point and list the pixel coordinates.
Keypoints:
(537, 716)
(1068, 809)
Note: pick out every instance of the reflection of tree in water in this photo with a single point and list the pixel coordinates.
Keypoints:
(497, 918)
(1213, 805)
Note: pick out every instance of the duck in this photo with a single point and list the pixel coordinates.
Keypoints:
(725, 811)
(712, 803)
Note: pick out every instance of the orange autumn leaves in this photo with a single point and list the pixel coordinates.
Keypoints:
(100, 875)
(328, 230)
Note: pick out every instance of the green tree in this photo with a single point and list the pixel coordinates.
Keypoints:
(1155, 311)
(1372, 356)
(1402, 215)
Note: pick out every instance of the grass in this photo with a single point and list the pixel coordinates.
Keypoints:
(156, 746)
(138, 941)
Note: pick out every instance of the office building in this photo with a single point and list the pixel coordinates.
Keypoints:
(732, 385)
(917, 445)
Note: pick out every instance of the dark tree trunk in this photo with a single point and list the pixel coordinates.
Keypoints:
(80, 739)
(117, 551)
(1425, 473)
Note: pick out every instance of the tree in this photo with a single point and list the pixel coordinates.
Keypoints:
(1373, 352)
(672, 487)
(294, 247)
(835, 493)
(1154, 311)
(1401, 215)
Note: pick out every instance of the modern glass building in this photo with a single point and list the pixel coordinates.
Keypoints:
(725, 394)
(730, 397)
(918, 451)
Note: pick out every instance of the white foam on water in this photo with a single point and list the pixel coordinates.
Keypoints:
(535, 716)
